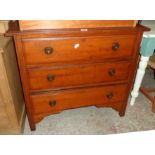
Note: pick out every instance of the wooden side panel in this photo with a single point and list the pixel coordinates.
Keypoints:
(13, 78)
(24, 79)
(134, 65)
(60, 24)
(11, 99)
(8, 117)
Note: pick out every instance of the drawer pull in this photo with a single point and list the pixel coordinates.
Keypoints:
(52, 103)
(115, 46)
(112, 72)
(50, 77)
(48, 50)
(110, 95)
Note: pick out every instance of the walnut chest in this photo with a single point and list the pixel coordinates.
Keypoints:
(72, 67)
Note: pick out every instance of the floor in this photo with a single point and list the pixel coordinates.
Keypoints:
(91, 120)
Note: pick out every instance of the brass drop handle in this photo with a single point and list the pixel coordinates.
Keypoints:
(52, 103)
(50, 77)
(110, 95)
(48, 50)
(115, 46)
(112, 72)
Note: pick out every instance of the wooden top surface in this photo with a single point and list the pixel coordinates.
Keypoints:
(15, 30)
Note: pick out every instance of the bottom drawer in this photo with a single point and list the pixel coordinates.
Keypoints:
(56, 101)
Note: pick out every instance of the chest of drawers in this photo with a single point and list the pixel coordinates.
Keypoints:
(70, 68)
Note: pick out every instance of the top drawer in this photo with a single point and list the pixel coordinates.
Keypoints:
(59, 50)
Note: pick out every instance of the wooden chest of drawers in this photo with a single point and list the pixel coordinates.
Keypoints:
(70, 68)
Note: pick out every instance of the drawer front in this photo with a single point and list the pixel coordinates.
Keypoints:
(72, 75)
(67, 99)
(56, 50)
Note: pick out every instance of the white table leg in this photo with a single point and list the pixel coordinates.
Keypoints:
(139, 78)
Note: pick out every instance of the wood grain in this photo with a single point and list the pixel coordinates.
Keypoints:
(76, 75)
(59, 24)
(79, 58)
(24, 79)
(77, 98)
(147, 93)
(91, 48)
(12, 107)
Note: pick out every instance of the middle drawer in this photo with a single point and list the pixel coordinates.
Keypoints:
(73, 75)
